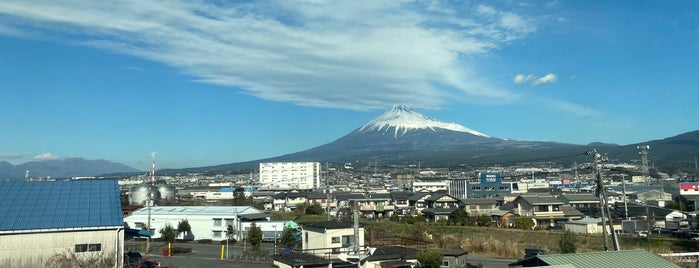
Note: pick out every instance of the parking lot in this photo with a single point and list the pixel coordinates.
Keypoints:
(202, 255)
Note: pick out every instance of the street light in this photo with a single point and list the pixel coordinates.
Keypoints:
(275, 239)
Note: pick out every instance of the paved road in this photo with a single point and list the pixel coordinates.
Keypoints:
(202, 255)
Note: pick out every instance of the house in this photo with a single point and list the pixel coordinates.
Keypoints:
(622, 258)
(439, 206)
(206, 222)
(392, 256)
(475, 206)
(321, 199)
(400, 202)
(417, 203)
(454, 258)
(586, 203)
(328, 239)
(377, 206)
(547, 211)
(288, 201)
(41, 220)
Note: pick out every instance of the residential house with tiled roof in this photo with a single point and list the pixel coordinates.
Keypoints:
(40, 220)
(546, 211)
(586, 203)
(439, 206)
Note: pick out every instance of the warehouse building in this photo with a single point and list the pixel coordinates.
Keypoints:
(206, 222)
(41, 222)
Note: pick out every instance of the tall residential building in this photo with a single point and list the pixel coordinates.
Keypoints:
(290, 175)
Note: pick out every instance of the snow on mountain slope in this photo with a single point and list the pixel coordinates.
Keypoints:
(403, 119)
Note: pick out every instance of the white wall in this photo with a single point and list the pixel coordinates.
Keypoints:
(290, 175)
(316, 240)
(203, 226)
(34, 249)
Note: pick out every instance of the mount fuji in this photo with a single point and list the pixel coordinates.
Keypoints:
(401, 135)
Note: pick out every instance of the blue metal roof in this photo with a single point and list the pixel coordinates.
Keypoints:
(59, 204)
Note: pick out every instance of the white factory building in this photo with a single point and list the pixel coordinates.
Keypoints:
(290, 175)
(207, 222)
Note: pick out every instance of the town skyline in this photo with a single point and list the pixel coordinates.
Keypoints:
(205, 84)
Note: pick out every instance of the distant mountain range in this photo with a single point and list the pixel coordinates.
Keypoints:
(401, 135)
(63, 168)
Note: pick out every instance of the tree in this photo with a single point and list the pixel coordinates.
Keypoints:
(239, 196)
(230, 232)
(255, 237)
(524, 223)
(567, 242)
(183, 227)
(459, 217)
(430, 259)
(483, 220)
(168, 233)
(288, 238)
(300, 209)
(315, 209)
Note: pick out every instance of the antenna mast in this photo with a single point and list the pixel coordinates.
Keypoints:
(149, 200)
(644, 162)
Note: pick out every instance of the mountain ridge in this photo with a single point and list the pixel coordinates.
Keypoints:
(63, 168)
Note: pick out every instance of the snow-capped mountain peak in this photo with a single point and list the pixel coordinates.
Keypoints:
(402, 119)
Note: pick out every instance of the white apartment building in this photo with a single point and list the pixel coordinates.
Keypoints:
(290, 175)
(430, 186)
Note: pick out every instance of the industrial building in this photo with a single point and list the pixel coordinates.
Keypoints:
(138, 194)
(290, 175)
(42, 221)
(490, 185)
(207, 222)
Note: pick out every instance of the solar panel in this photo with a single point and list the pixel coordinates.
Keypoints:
(59, 204)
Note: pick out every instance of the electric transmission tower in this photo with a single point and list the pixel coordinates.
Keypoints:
(643, 151)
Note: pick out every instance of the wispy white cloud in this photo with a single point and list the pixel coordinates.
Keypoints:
(354, 55)
(46, 156)
(573, 108)
(534, 80)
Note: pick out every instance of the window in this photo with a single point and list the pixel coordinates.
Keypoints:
(94, 247)
(347, 240)
(88, 247)
(543, 208)
(230, 222)
(445, 263)
(217, 234)
(217, 222)
(81, 248)
(335, 239)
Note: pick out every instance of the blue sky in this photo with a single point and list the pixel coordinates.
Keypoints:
(204, 83)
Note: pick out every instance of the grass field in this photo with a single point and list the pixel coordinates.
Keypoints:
(496, 242)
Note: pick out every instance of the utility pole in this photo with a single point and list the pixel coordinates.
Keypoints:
(623, 185)
(356, 234)
(604, 208)
(149, 202)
